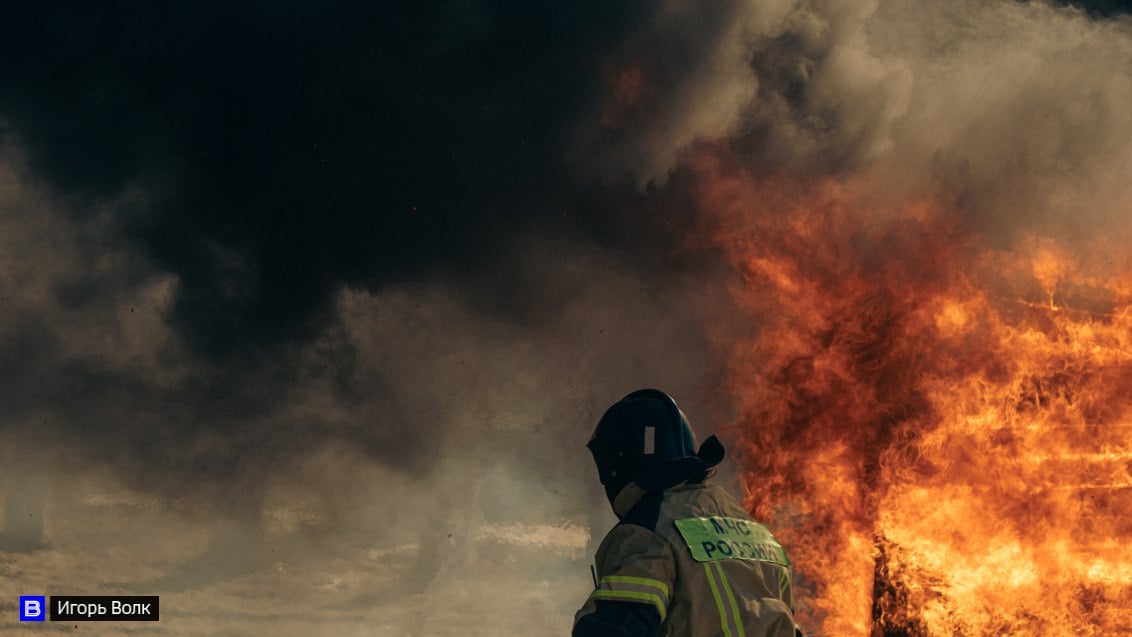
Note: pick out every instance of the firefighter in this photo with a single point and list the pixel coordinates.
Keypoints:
(685, 559)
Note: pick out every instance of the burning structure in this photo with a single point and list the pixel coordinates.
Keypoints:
(951, 423)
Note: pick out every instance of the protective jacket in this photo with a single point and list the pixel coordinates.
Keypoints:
(688, 561)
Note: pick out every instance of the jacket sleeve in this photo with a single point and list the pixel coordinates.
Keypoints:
(637, 572)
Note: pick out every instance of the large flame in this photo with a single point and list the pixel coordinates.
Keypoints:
(939, 430)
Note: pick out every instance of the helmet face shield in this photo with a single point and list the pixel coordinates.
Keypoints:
(609, 455)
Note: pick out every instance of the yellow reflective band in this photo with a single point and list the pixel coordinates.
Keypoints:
(632, 596)
(643, 581)
(730, 598)
(718, 600)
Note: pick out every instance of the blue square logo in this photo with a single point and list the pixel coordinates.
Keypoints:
(33, 608)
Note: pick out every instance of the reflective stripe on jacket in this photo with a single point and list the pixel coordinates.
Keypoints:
(716, 573)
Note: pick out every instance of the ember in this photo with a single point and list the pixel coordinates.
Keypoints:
(951, 422)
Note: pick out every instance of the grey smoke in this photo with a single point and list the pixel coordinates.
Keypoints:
(1013, 110)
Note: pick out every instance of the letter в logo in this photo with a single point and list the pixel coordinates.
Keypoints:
(33, 608)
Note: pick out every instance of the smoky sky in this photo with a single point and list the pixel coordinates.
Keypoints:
(287, 149)
(190, 188)
(236, 231)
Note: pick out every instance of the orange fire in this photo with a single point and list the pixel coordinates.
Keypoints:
(939, 430)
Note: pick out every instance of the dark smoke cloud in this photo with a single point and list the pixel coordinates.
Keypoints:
(304, 276)
(288, 149)
(224, 173)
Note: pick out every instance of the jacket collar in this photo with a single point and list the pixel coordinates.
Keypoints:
(631, 494)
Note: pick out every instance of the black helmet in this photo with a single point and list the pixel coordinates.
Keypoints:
(645, 438)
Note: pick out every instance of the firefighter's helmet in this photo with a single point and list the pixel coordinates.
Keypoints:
(645, 438)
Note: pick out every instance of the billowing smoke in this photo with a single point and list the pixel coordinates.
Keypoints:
(294, 291)
(1014, 110)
